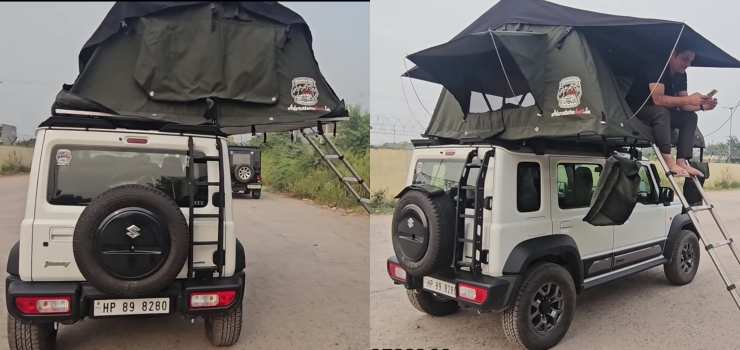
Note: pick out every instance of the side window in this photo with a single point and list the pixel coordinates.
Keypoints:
(528, 187)
(576, 184)
(647, 193)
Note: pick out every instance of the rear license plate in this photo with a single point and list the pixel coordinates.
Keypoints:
(254, 186)
(439, 286)
(118, 307)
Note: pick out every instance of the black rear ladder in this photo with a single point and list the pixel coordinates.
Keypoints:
(479, 255)
(218, 200)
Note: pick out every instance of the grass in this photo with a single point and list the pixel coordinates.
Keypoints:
(14, 164)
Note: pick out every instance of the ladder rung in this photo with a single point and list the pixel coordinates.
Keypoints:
(473, 165)
(205, 242)
(351, 179)
(465, 240)
(467, 216)
(205, 159)
(702, 207)
(333, 156)
(205, 215)
(719, 244)
(365, 200)
(468, 187)
(731, 287)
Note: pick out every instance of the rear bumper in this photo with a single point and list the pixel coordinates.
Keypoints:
(250, 186)
(83, 296)
(500, 289)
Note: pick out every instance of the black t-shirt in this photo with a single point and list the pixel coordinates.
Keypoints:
(640, 89)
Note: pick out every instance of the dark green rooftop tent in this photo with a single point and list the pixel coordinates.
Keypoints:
(241, 66)
(574, 65)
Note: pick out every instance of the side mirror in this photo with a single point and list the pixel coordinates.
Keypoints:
(666, 196)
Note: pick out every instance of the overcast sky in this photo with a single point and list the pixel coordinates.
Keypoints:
(399, 28)
(39, 44)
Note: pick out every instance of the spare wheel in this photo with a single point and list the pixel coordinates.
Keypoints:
(131, 240)
(423, 232)
(243, 173)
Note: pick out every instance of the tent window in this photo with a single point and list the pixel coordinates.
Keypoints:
(528, 187)
(576, 184)
(478, 102)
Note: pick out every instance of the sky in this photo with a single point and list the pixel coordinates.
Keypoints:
(400, 107)
(39, 44)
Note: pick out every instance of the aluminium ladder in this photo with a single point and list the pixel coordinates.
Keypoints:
(354, 183)
(219, 257)
(478, 254)
(692, 213)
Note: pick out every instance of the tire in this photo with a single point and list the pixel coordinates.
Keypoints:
(516, 319)
(428, 303)
(243, 173)
(163, 209)
(423, 232)
(23, 335)
(256, 194)
(223, 329)
(684, 258)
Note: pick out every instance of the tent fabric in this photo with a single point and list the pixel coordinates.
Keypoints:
(577, 65)
(616, 192)
(241, 66)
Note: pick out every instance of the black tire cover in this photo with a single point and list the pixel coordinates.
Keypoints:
(239, 168)
(131, 240)
(423, 232)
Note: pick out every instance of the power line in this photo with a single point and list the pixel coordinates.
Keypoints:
(732, 112)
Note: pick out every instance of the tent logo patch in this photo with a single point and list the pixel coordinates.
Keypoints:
(304, 91)
(569, 92)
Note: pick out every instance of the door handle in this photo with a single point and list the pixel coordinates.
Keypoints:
(566, 224)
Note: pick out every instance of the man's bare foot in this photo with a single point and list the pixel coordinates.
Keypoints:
(691, 170)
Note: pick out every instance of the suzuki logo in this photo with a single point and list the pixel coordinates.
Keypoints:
(411, 222)
(133, 231)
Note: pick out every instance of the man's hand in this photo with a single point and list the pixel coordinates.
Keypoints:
(710, 104)
(697, 99)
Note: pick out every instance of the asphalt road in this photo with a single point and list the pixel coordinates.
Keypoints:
(640, 312)
(307, 285)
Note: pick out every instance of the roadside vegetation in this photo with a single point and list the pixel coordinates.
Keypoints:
(294, 167)
(13, 162)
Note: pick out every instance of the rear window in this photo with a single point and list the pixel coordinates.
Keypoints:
(441, 173)
(245, 157)
(79, 174)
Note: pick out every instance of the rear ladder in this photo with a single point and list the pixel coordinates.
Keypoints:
(354, 183)
(218, 200)
(479, 255)
(710, 247)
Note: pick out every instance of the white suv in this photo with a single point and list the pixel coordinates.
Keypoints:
(123, 223)
(512, 238)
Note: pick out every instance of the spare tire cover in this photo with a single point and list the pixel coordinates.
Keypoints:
(243, 173)
(131, 240)
(423, 232)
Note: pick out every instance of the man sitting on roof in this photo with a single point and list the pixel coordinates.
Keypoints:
(670, 107)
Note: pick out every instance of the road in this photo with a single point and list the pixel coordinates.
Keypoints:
(307, 285)
(640, 312)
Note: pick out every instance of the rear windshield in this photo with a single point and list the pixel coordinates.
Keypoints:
(441, 173)
(79, 174)
(250, 157)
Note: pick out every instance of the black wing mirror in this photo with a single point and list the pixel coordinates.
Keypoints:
(666, 196)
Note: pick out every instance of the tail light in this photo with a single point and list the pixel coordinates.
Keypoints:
(471, 293)
(396, 272)
(221, 299)
(44, 305)
(259, 178)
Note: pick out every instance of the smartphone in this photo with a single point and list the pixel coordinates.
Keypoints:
(712, 93)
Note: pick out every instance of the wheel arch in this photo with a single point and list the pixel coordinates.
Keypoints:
(680, 222)
(558, 248)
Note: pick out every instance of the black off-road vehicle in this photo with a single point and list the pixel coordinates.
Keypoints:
(246, 170)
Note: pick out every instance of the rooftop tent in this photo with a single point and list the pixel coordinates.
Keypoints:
(243, 66)
(575, 65)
